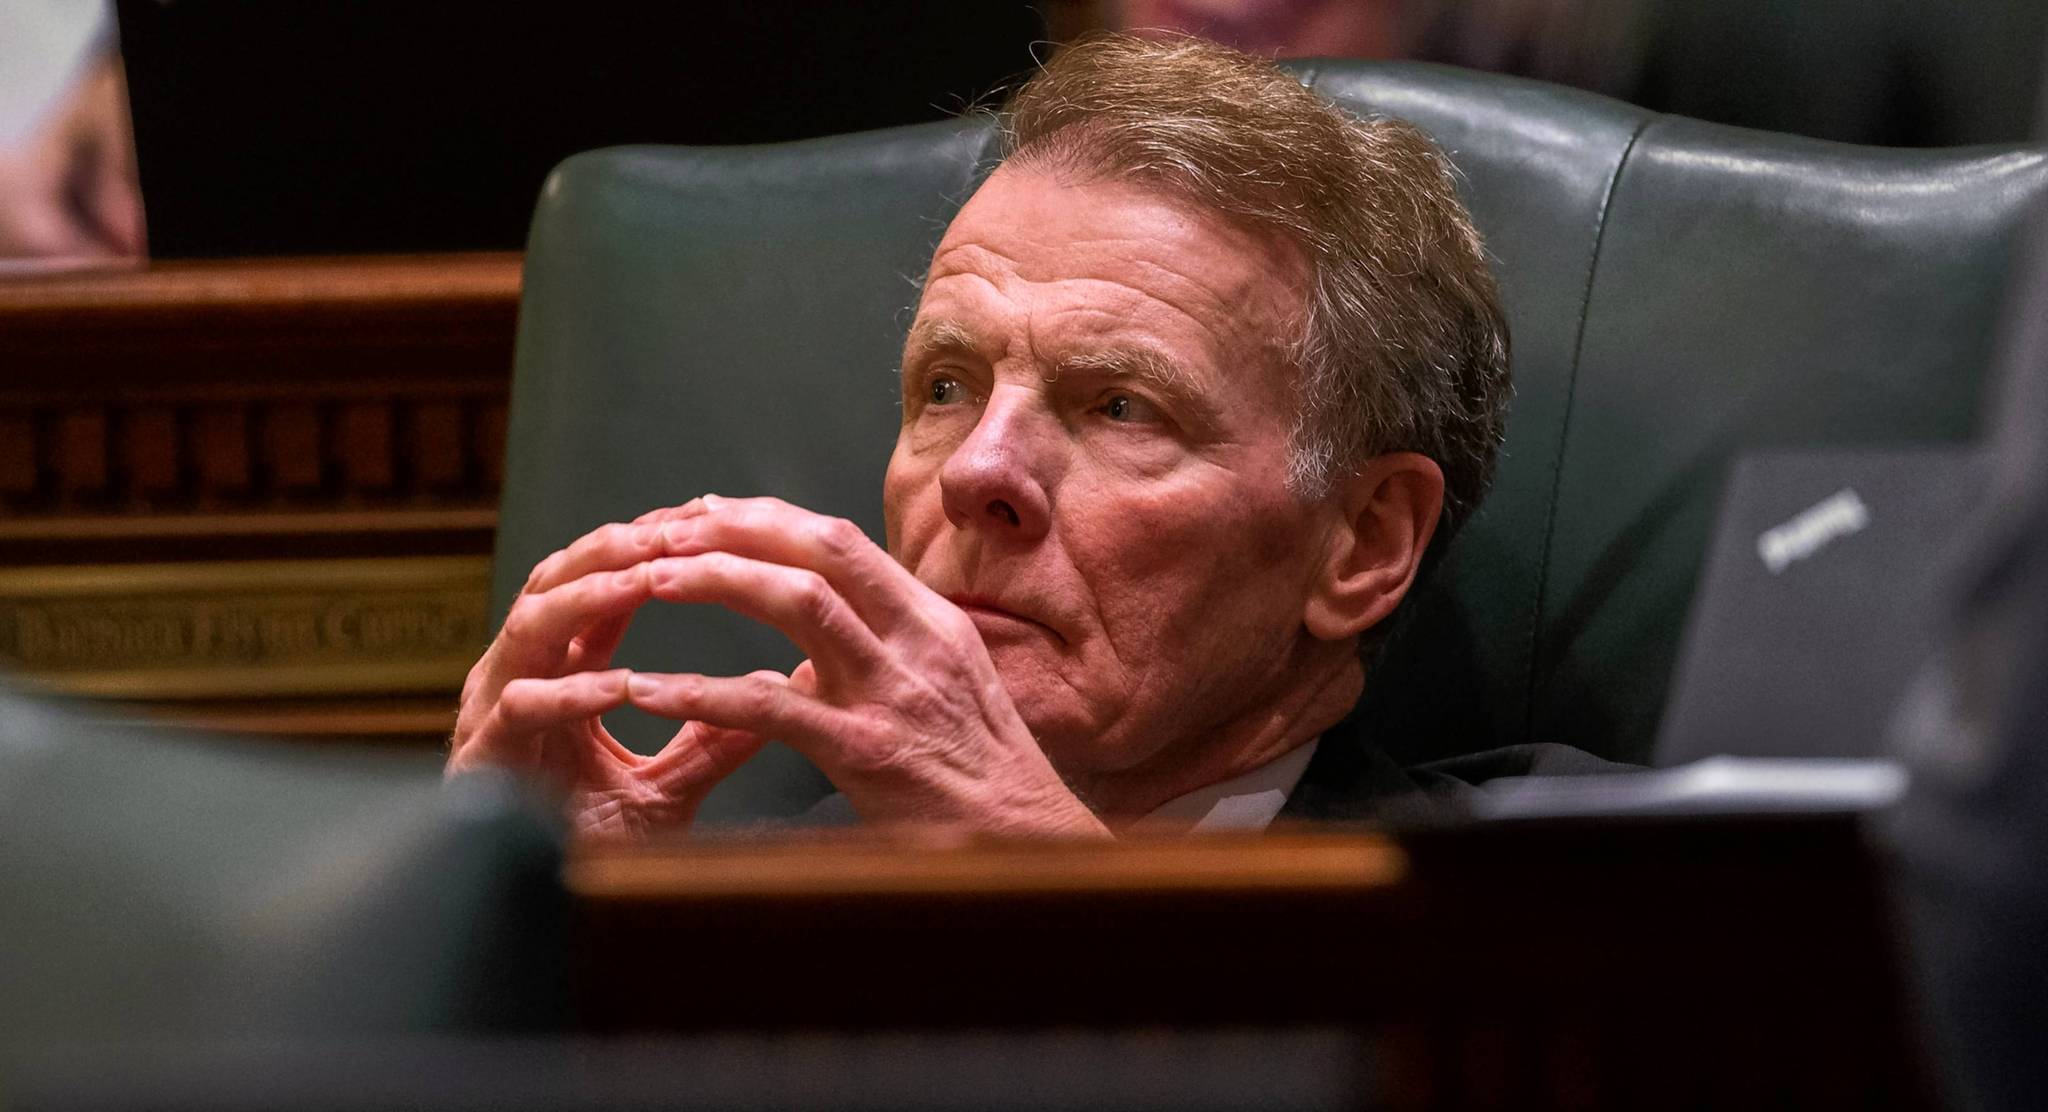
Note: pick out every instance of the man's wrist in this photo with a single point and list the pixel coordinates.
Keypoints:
(1063, 816)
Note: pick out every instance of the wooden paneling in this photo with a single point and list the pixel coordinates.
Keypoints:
(228, 445)
(1647, 962)
(256, 385)
(246, 627)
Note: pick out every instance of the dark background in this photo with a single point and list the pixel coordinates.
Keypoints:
(269, 128)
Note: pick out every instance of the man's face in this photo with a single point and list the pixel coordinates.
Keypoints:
(1093, 461)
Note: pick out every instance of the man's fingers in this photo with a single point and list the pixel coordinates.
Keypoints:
(592, 649)
(516, 731)
(759, 703)
(801, 603)
(605, 548)
(660, 514)
(609, 547)
(701, 754)
(530, 705)
(567, 628)
(771, 530)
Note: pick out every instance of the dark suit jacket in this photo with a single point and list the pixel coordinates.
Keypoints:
(1351, 780)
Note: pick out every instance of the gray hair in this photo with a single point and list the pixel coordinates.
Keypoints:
(1403, 346)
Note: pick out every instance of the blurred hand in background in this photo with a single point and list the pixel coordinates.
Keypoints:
(1277, 28)
(68, 187)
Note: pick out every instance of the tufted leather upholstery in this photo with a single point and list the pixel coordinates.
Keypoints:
(728, 320)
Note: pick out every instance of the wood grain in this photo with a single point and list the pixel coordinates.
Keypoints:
(256, 384)
(236, 413)
(911, 865)
(1725, 962)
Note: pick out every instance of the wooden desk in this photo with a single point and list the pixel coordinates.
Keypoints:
(1618, 964)
(255, 494)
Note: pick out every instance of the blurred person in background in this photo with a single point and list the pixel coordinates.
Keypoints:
(68, 187)
(1970, 837)
(1278, 28)
(1880, 72)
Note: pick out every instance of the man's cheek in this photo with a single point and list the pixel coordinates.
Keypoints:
(910, 521)
(910, 486)
(1161, 552)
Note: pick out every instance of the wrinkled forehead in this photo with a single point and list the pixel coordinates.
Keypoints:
(1121, 245)
(1064, 182)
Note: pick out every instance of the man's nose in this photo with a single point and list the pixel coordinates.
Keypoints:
(996, 480)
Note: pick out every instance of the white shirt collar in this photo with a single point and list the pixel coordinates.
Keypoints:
(1249, 801)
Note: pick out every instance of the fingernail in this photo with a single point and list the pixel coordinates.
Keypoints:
(674, 533)
(712, 501)
(642, 687)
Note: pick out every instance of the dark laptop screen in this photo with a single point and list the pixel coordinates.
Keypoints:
(1819, 601)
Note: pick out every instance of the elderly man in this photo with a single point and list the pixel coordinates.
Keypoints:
(1198, 377)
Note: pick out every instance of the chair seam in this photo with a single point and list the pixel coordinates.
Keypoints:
(1571, 392)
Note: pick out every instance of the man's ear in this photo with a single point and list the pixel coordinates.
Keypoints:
(1388, 511)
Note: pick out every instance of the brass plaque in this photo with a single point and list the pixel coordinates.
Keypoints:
(246, 628)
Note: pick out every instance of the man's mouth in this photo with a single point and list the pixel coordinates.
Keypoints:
(990, 615)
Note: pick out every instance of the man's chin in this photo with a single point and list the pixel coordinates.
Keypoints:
(1076, 744)
(1069, 723)
(1095, 770)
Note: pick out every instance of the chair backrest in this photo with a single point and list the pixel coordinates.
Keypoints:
(728, 320)
(174, 890)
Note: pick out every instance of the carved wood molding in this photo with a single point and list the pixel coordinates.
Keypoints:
(258, 494)
(246, 627)
(256, 386)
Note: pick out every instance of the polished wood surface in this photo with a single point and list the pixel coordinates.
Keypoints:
(855, 928)
(173, 290)
(910, 868)
(1574, 963)
(250, 456)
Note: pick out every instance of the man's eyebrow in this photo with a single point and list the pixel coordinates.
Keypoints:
(943, 336)
(1141, 365)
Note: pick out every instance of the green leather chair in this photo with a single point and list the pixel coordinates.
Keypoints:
(728, 320)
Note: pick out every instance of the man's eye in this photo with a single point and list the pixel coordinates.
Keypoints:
(1125, 407)
(945, 391)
